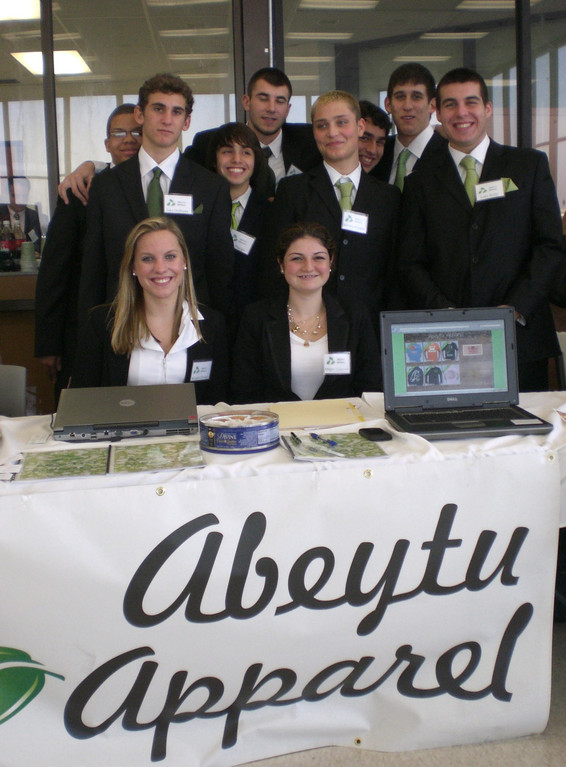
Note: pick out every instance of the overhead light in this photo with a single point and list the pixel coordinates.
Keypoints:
(197, 56)
(22, 10)
(64, 62)
(31, 34)
(202, 75)
(453, 35)
(501, 83)
(183, 2)
(338, 5)
(308, 59)
(321, 36)
(489, 5)
(304, 77)
(210, 32)
(422, 58)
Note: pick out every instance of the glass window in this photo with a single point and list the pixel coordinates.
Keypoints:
(355, 46)
(121, 45)
(548, 35)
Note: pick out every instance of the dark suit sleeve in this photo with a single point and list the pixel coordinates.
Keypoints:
(535, 282)
(367, 371)
(215, 348)
(56, 289)
(92, 287)
(248, 362)
(220, 253)
(412, 272)
(282, 213)
(93, 344)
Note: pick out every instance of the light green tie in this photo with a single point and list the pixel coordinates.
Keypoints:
(233, 221)
(155, 195)
(472, 177)
(345, 188)
(402, 168)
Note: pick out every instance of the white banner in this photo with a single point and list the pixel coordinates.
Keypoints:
(218, 622)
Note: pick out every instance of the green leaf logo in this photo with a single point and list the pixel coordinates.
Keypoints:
(21, 679)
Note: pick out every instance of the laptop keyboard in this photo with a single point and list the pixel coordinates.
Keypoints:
(471, 414)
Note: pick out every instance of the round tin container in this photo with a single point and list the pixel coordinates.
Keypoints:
(239, 431)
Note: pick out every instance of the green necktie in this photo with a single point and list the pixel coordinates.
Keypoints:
(233, 221)
(155, 195)
(472, 177)
(402, 168)
(345, 188)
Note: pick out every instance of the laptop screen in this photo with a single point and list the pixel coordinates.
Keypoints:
(449, 357)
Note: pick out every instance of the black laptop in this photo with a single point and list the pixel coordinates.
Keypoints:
(115, 412)
(452, 373)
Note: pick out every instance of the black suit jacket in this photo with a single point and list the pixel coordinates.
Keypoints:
(246, 266)
(57, 287)
(499, 251)
(298, 146)
(382, 170)
(262, 357)
(116, 204)
(96, 364)
(361, 271)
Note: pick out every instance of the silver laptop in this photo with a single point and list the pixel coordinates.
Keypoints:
(452, 373)
(116, 412)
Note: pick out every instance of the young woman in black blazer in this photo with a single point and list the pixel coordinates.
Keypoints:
(305, 345)
(154, 331)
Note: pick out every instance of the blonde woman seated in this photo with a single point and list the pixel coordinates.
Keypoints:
(154, 332)
(305, 345)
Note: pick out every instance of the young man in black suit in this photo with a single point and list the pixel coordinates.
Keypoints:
(372, 141)
(57, 286)
(481, 226)
(410, 102)
(289, 147)
(360, 216)
(119, 199)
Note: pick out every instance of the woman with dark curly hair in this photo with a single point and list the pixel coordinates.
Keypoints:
(305, 345)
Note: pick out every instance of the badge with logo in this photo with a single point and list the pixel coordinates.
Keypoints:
(178, 204)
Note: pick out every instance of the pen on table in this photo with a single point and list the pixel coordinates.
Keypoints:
(330, 442)
(294, 439)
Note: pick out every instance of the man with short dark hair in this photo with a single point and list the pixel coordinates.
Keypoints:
(481, 226)
(158, 180)
(410, 102)
(289, 147)
(372, 141)
(57, 286)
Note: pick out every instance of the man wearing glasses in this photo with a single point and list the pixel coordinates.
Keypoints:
(58, 279)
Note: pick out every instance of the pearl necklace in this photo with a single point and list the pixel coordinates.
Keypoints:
(296, 328)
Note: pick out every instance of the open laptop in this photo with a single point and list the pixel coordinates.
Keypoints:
(115, 412)
(452, 373)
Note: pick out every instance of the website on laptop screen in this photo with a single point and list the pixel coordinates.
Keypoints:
(466, 356)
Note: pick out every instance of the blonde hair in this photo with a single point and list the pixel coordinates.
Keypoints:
(330, 96)
(129, 326)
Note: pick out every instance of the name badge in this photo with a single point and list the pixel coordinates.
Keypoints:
(489, 190)
(242, 242)
(201, 370)
(352, 221)
(294, 171)
(180, 204)
(337, 364)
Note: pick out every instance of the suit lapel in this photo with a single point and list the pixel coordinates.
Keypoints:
(129, 178)
(493, 167)
(277, 328)
(447, 175)
(320, 183)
